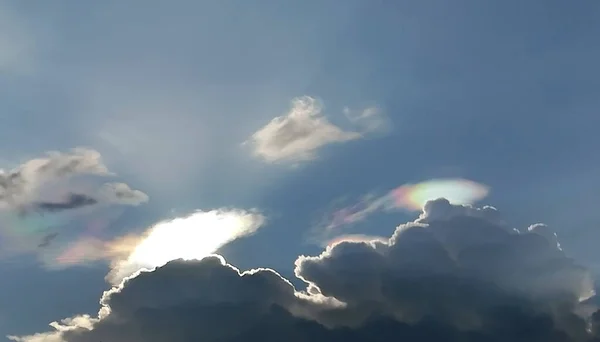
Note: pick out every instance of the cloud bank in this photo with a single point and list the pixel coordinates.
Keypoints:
(299, 134)
(457, 273)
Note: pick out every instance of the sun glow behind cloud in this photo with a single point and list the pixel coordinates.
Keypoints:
(191, 237)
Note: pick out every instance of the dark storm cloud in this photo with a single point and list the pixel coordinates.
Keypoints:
(456, 274)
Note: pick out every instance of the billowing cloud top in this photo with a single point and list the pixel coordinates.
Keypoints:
(456, 274)
(300, 133)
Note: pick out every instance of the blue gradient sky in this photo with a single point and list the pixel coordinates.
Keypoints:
(504, 93)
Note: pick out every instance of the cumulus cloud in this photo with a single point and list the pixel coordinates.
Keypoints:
(299, 134)
(191, 237)
(23, 187)
(455, 274)
(43, 195)
(23, 183)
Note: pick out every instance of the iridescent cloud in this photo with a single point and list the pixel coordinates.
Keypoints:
(411, 197)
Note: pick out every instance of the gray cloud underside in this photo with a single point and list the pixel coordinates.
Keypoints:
(456, 274)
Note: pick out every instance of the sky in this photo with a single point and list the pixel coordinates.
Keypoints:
(183, 170)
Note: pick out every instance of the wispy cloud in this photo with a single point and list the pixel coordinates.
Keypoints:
(371, 120)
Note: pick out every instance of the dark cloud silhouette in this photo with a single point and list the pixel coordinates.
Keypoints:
(47, 240)
(73, 201)
(457, 273)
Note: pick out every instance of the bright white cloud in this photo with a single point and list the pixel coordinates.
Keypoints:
(355, 238)
(191, 237)
(299, 134)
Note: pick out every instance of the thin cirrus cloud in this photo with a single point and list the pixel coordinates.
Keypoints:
(434, 279)
(190, 237)
(299, 134)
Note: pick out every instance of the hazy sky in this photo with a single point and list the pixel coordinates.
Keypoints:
(265, 129)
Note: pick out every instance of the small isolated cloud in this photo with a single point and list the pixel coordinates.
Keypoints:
(455, 274)
(299, 134)
(191, 237)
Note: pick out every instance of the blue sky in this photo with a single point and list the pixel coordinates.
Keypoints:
(504, 93)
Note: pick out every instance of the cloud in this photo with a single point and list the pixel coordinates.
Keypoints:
(354, 238)
(299, 134)
(408, 197)
(73, 201)
(16, 42)
(191, 237)
(369, 120)
(47, 240)
(23, 183)
(50, 192)
(121, 193)
(455, 274)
